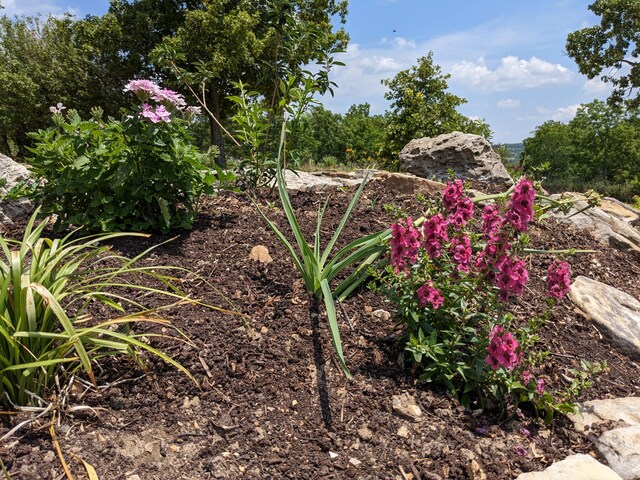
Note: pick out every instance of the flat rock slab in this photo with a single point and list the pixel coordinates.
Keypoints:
(621, 448)
(615, 409)
(615, 312)
(604, 224)
(305, 181)
(575, 467)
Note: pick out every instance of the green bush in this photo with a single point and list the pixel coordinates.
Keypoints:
(46, 332)
(137, 174)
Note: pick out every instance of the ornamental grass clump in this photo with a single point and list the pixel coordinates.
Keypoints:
(140, 173)
(451, 280)
(47, 333)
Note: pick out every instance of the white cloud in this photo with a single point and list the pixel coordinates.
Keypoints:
(377, 64)
(399, 42)
(595, 86)
(507, 103)
(564, 114)
(512, 73)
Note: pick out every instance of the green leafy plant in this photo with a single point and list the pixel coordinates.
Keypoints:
(318, 266)
(137, 174)
(46, 330)
(451, 282)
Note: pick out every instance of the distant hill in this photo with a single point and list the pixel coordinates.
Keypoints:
(515, 148)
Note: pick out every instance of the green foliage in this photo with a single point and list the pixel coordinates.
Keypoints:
(111, 175)
(40, 65)
(598, 148)
(46, 332)
(317, 267)
(260, 44)
(422, 107)
(254, 124)
(611, 50)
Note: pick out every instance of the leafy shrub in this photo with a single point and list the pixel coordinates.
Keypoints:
(451, 281)
(45, 330)
(137, 174)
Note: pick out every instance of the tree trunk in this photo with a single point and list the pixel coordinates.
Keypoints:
(217, 137)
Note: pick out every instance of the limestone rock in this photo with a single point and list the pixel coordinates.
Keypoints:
(469, 156)
(621, 448)
(306, 181)
(616, 313)
(610, 223)
(575, 467)
(614, 409)
(13, 173)
(405, 405)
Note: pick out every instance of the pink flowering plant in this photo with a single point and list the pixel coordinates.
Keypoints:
(139, 173)
(452, 277)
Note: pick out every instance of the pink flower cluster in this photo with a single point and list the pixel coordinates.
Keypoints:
(435, 233)
(512, 277)
(155, 114)
(428, 293)
(558, 279)
(461, 251)
(520, 211)
(492, 221)
(405, 243)
(167, 100)
(459, 206)
(502, 349)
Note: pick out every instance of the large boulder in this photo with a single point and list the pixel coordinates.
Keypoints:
(13, 173)
(469, 156)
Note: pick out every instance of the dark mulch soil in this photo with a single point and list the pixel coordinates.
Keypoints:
(272, 402)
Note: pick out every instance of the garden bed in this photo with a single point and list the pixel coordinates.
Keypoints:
(273, 402)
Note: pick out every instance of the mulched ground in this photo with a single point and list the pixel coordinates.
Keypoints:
(272, 402)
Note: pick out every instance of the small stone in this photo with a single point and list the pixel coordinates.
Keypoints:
(365, 434)
(195, 402)
(263, 330)
(355, 462)
(382, 315)
(333, 455)
(260, 253)
(294, 403)
(405, 405)
(49, 456)
(403, 432)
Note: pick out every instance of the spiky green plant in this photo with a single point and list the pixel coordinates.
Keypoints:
(46, 332)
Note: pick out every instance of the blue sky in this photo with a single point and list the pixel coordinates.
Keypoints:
(506, 57)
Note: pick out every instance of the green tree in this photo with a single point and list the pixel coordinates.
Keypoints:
(601, 144)
(421, 106)
(257, 42)
(611, 47)
(41, 64)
